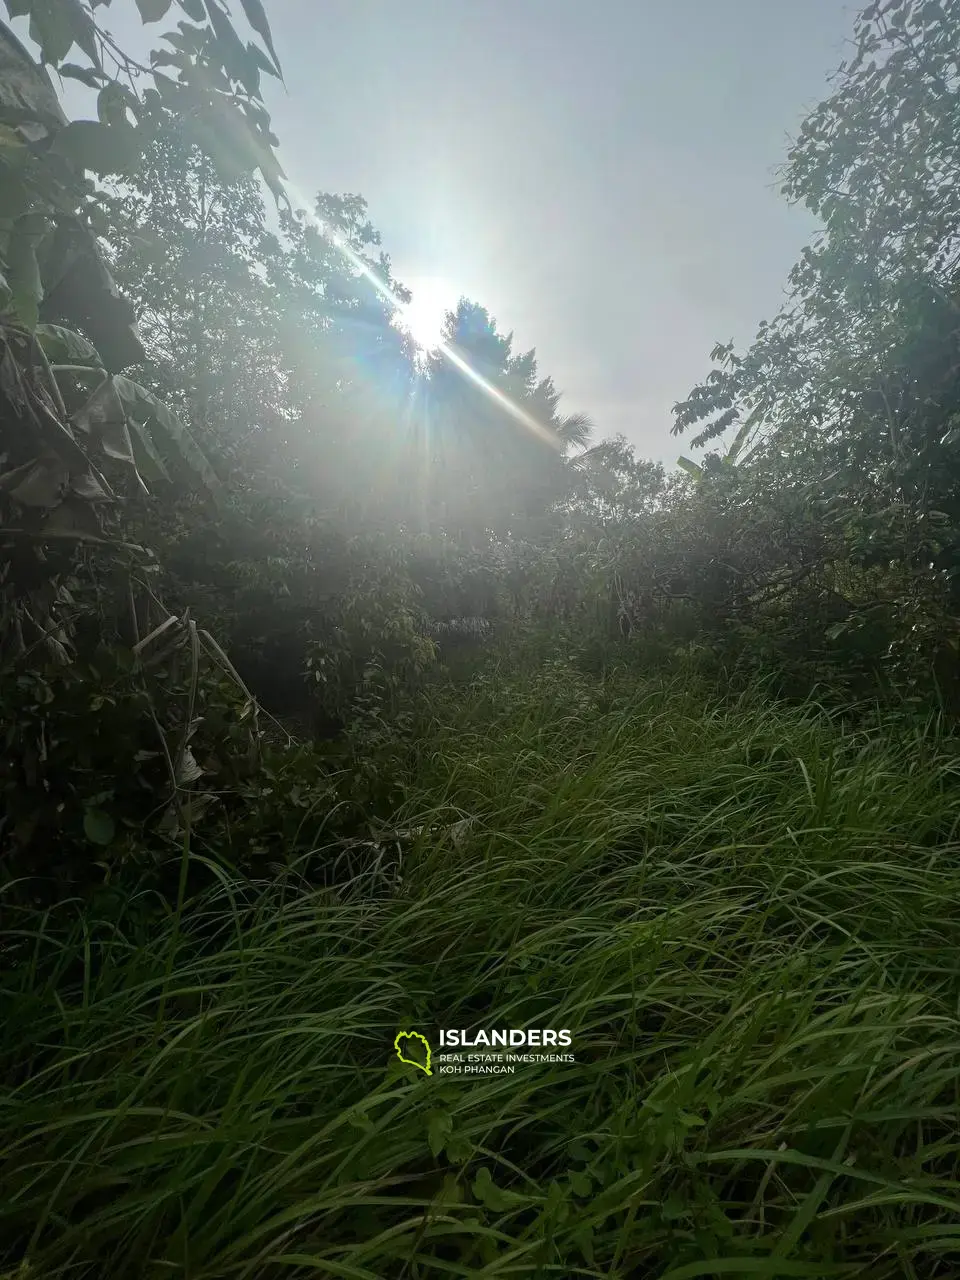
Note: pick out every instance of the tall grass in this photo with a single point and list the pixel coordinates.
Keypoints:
(748, 916)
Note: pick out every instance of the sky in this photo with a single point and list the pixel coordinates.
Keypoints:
(601, 176)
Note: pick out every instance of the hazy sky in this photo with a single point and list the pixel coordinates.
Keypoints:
(598, 173)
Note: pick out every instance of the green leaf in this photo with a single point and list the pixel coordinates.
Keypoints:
(194, 9)
(146, 409)
(153, 10)
(738, 442)
(691, 468)
(258, 20)
(99, 827)
(23, 273)
(496, 1198)
(103, 148)
(63, 346)
(439, 1128)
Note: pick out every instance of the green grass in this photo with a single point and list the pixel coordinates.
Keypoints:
(748, 916)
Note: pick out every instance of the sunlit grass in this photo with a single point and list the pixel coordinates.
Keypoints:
(748, 916)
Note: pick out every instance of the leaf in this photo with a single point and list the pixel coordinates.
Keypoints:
(102, 148)
(148, 461)
(738, 442)
(89, 488)
(691, 468)
(258, 20)
(112, 103)
(10, 140)
(74, 516)
(153, 10)
(260, 59)
(496, 1198)
(85, 33)
(86, 75)
(52, 28)
(102, 413)
(99, 827)
(228, 43)
(439, 1128)
(145, 408)
(187, 769)
(193, 9)
(38, 483)
(64, 346)
(23, 273)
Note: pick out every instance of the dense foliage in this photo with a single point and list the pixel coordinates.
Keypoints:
(349, 688)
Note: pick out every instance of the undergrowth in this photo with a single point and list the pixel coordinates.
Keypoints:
(746, 914)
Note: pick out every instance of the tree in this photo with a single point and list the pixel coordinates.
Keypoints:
(191, 250)
(493, 439)
(851, 396)
(79, 443)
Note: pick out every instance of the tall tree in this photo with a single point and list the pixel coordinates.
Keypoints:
(493, 439)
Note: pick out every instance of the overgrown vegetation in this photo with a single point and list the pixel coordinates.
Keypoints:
(342, 697)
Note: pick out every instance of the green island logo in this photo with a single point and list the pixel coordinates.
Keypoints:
(402, 1042)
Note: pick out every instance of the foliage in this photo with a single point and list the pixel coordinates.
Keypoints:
(79, 444)
(523, 755)
(738, 910)
(849, 398)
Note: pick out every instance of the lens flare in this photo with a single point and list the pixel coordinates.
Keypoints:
(409, 314)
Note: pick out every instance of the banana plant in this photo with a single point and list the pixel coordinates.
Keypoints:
(728, 460)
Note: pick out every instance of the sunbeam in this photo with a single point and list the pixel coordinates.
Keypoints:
(450, 353)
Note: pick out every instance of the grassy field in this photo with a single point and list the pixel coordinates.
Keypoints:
(748, 915)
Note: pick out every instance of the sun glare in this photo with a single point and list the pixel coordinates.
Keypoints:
(433, 297)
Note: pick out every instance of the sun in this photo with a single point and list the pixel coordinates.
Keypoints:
(433, 297)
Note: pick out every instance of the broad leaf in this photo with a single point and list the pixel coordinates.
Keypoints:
(102, 148)
(499, 1199)
(39, 483)
(228, 43)
(258, 20)
(86, 75)
(153, 10)
(147, 410)
(738, 442)
(63, 346)
(23, 272)
(99, 827)
(113, 101)
(103, 416)
(57, 25)
(691, 468)
(52, 28)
